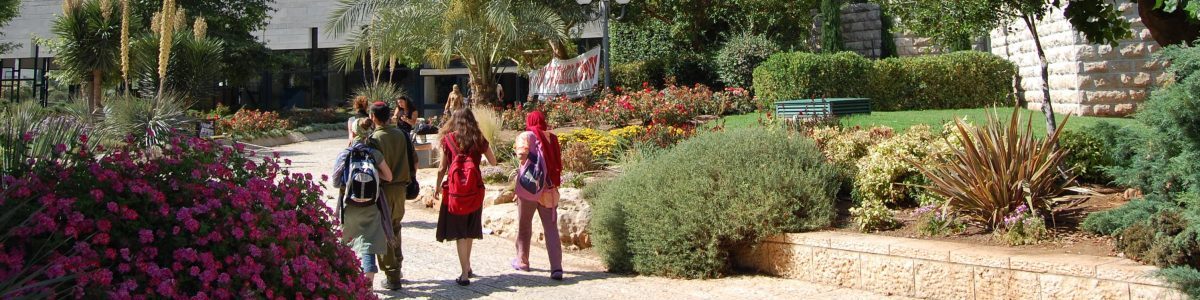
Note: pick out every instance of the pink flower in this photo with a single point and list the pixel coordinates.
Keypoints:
(145, 236)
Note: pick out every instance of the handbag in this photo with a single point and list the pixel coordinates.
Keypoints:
(549, 198)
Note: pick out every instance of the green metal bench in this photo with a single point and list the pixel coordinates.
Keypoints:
(817, 108)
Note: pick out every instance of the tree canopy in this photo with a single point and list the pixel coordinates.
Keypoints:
(700, 24)
(8, 10)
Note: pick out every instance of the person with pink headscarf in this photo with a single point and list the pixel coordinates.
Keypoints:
(536, 128)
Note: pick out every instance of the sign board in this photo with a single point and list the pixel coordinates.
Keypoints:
(573, 78)
(206, 128)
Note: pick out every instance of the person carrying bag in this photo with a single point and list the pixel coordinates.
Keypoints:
(537, 184)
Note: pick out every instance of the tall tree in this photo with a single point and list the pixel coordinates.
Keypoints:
(87, 46)
(479, 33)
(233, 23)
(831, 26)
(699, 24)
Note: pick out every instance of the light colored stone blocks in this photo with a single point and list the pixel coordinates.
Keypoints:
(887, 275)
(837, 267)
(939, 280)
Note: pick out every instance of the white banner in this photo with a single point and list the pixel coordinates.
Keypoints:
(572, 78)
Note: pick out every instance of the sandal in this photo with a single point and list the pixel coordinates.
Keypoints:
(557, 275)
(462, 281)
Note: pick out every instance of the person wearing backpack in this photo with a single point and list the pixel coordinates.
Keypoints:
(538, 178)
(361, 210)
(360, 106)
(460, 218)
(396, 148)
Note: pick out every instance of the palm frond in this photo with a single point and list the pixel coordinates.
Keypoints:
(351, 13)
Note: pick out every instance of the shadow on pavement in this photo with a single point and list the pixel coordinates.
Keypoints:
(419, 225)
(484, 286)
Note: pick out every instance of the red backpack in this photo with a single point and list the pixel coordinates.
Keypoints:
(464, 184)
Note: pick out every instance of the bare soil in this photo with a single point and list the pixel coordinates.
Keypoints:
(1066, 236)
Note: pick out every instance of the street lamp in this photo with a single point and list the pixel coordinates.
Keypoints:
(603, 16)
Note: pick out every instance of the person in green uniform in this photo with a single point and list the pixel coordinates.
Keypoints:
(394, 145)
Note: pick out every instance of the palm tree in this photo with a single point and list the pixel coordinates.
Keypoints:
(479, 33)
(88, 46)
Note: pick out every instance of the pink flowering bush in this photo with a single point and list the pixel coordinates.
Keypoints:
(193, 220)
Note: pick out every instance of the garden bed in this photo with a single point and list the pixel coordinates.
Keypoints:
(1065, 238)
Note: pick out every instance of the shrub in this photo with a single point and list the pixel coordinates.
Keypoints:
(380, 91)
(728, 189)
(799, 75)
(599, 142)
(965, 79)
(150, 120)
(1087, 155)
(1023, 227)
(250, 122)
(934, 221)
(1164, 228)
(888, 174)
(735, 100)
(577, 157)
(504, 151)
(497, 174)
(301, 117)
(999, 169)
(189, 219)
(635, 73)
(736, 60)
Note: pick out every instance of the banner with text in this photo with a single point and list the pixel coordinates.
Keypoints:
(572, 78)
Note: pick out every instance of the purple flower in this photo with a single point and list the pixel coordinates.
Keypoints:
(60, 148)
(145, 236)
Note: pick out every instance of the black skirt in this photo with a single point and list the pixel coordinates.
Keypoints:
(452, 227)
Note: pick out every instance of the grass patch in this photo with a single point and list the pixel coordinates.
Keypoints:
(902, 120)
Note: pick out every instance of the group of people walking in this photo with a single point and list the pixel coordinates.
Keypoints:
(376, 175)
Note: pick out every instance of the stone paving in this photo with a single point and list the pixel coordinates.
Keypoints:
(430, 267)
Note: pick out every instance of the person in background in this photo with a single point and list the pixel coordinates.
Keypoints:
(536, 128)
(360, 106)
(394, 145)
(406, 114)
(461, 135)
(454, 102)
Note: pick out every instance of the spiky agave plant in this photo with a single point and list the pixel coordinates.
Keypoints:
(999, 168)
(150, 121)
(28, 131)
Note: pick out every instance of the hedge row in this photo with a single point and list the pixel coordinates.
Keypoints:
(966, 79)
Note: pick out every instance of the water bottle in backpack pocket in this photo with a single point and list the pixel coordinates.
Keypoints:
(362, 179)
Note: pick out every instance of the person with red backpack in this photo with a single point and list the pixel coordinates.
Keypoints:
(538, 178)
(461, 215)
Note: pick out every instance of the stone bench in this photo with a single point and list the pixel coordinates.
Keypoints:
(947, 270)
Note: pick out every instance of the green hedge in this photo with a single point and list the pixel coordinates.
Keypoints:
(966, 79)
(726, 190)
(798, 75)
(633, 74)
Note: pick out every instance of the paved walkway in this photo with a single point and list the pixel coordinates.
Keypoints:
(430, 267)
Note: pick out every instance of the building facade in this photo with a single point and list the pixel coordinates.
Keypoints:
(296, 30)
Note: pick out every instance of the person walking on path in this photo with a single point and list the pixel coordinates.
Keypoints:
(360, 106)
(547, 209)
(460, 217)
(363, 225)
(394, 145)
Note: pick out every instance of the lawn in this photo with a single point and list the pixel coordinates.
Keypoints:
(902, 120)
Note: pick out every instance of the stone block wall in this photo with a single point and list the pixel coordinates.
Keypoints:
(1084, 79)
(861, 29)
(945, 270)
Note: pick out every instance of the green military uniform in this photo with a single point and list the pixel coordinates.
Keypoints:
(394, 145)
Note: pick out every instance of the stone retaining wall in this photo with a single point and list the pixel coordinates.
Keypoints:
(1085, 79)
(944, 270)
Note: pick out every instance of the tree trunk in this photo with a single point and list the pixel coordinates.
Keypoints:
(1047, 106)
(483, 84)
(1168, 28)
(97, 92)
(558, 50)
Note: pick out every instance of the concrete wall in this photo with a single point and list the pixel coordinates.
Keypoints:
(1085, 79)
(861, 29)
